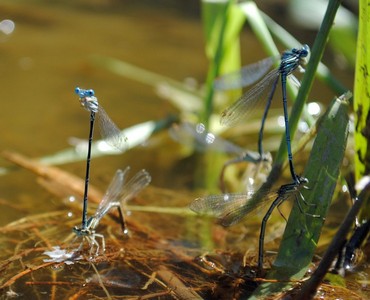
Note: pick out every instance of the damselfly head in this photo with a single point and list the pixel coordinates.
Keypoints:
(305, 50)
(84, 93)
(304, 54)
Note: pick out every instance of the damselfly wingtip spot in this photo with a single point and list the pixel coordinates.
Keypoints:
(195, 206)
(225, 117)
(222, 119)
(227, 220)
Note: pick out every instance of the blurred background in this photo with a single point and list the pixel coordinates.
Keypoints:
(47, 49)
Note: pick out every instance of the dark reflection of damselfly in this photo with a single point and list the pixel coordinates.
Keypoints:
(264, 89)
(116, 196)
(352, 248)
(203, 140)
(230, 209)
(108, 130)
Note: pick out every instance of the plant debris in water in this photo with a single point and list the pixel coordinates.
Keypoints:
(149, 264)
(62, 255)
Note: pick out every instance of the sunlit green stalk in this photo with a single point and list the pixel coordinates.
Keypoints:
(362, 100)
(222, 22)
(362, 91)
(215, 64)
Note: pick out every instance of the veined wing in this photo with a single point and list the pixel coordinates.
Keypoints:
(218, 205)
(230, 209)
(246, 76)
(259, 200)
(245, 104)
(113, 192)
(134, 186)
(109, 130)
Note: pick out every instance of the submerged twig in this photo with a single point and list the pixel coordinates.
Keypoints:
(23, 273)
(176, 285)
(71, 183)
(100, 280)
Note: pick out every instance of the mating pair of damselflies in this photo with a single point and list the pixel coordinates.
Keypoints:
(108, 130)
(265, 88)
(117, 192)
(232, 208)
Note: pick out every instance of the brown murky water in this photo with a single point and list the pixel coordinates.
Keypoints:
(49, 53)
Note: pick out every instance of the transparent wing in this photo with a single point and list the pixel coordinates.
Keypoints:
(135, 185)
(254, 204)
(245, 76)
(294, 80)
(230, 209)
(195, 134)
(113, 192)
(245, 104)
(218, 205)
(109, 131)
